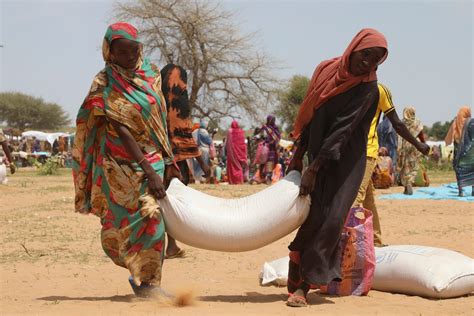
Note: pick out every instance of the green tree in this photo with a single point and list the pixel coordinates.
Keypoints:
(439, 130)
(427, 130)
(23, 111)
(290, 99)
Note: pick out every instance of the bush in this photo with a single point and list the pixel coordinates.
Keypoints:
(430, 164)
(50, 167)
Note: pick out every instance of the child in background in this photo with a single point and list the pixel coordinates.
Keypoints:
(216, 171)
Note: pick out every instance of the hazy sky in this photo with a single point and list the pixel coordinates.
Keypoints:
(51, 49)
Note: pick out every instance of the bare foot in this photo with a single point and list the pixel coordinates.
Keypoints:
(172, 250)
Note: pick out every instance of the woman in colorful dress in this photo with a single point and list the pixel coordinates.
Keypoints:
(383, 177)
(272, 138)
(180, 128)
(121, 153)
(408, 163)
(332, 127)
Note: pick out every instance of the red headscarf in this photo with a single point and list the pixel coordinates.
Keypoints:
(332, 77)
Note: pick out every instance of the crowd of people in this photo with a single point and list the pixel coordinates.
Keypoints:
(237, 159)
(25, 150)
(134, 133)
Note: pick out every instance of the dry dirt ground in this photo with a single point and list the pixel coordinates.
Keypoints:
(51, 261)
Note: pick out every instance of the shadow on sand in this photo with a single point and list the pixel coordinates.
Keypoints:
(249, 297)
(115, 298)
(255, 297)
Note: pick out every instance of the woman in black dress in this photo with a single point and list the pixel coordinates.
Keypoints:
(332, 127)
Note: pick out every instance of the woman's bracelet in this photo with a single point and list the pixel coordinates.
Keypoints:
(140, 162)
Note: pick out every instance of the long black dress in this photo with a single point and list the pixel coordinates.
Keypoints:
(338, 134)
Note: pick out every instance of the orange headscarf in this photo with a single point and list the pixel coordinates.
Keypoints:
(455, 131)
(332, 77)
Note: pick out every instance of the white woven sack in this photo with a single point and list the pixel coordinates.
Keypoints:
(423, 271)
(275, 272)
(204, 221)
(3, 174)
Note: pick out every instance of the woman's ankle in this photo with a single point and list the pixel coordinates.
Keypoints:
(303, 289)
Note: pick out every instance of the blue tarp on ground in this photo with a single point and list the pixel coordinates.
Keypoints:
(444, 192)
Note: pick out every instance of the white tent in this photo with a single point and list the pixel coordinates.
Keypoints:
(49, 137)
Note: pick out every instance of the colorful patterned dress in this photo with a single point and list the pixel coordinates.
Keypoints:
(272, 140)
(180, 127)
(409, 157)
(108, 182)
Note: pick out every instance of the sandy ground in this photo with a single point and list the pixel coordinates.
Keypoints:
(51, 261)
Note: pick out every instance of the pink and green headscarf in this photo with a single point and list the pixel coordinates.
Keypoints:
(132, 98)
(138, 86)
(115, 31)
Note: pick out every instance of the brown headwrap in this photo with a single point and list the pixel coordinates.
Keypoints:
(455, 131)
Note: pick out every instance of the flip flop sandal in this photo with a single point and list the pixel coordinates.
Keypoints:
(148, 291)
(296, 301)
(136, 288)
(180, 254)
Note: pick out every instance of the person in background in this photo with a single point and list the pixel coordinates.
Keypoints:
(461, 134)
(5, 147)
(216, 171)
(222, 154)
(383, 176)
(29, 145)
(365, 197)
(250, 153)
(272, 138)
(23, 144)
(55, 148)
(236, 154)
(204, 141)
(36, 145)
(409, 154)
(388, 138)
(23, 152)
(257, 163)
(332, 127)
(435, 155)
(174, 86)
(282, 157)
(62, 144)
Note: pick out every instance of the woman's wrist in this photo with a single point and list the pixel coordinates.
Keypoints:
(147, 168)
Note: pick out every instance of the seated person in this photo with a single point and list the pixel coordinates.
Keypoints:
(383, 176)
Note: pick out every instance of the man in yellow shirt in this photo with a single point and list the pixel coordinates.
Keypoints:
(365, 196)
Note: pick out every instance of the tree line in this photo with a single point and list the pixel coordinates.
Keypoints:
(21, 111)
